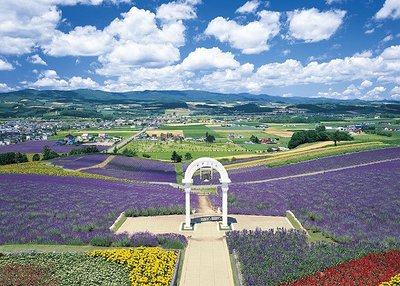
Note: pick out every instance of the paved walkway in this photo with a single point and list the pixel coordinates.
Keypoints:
(207, 261)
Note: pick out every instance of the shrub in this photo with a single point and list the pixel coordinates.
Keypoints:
(155, 211)
(129, 153)
(172, 241)
(101, 240)
(143, 239)
(145, 155)
(36, 157)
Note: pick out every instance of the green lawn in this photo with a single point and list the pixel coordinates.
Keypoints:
(393, 140)
(194, 131)
(163, 150)
(124, 132)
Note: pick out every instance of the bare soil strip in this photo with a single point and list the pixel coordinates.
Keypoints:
(101, 165)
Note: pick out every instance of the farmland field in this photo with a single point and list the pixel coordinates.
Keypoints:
(47, 209)
(359, 203)
(137, 169)
(37, 147)
(269, 258)
(79, 161)
(163, 150)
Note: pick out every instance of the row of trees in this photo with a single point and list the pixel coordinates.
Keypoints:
(12, 158)
(47, 154)
(176, 158)
(319, 134)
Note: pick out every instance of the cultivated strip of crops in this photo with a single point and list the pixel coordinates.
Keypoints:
(48, 209)
(322, 164)
(137, 169)
(304, 155)
(41, 168)
(356, 203)
(270, 258)
(79, 161)
(63, 269)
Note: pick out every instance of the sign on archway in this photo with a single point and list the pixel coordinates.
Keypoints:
(188, 182)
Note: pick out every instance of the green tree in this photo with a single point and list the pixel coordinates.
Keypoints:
(320, 128)
(36, 157)
(20, 158)
(129, 153)
(340, 136)
(48, 153)
(210, 138)
(254, 139)
(176, 158)
(188, 156)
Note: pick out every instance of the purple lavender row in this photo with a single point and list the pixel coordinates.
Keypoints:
(79, 161)
(46, 209)
(333, 162)
(137, 169)
(37, 147)
(358, 203)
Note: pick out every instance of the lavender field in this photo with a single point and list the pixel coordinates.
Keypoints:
(137, 169)
(332, 162)
(37, 147)
(46, 209)
(274, 258)
(357, 203)
(79, 161)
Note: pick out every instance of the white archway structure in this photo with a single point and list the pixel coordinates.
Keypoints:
(188, 181)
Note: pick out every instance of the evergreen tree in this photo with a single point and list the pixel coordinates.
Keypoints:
(188, 156)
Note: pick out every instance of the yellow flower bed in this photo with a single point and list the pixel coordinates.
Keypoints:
(147, 265)
(395, 281)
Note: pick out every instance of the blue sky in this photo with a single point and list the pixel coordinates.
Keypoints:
(324, 48)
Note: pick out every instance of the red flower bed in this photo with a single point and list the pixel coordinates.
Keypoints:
(26, 275)
(368, 270)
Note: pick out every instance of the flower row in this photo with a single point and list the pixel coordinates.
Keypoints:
(147, 266)
(395, 281)
(368, 270)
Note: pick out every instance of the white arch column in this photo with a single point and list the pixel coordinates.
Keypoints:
(225, 205)
(188, 189)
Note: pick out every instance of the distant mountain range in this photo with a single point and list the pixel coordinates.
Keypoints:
(93, 96)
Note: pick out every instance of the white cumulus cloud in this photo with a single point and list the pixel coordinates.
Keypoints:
(37, 60)
(203, 58)
(249, 7)
(49, 79)
(312, 25)
(5, 66)
(251, 38)
(82, 41)
(173, 11)
(366, 84)
(390, 9)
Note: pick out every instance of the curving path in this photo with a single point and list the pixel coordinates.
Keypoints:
(317, 172)
(101, 165)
